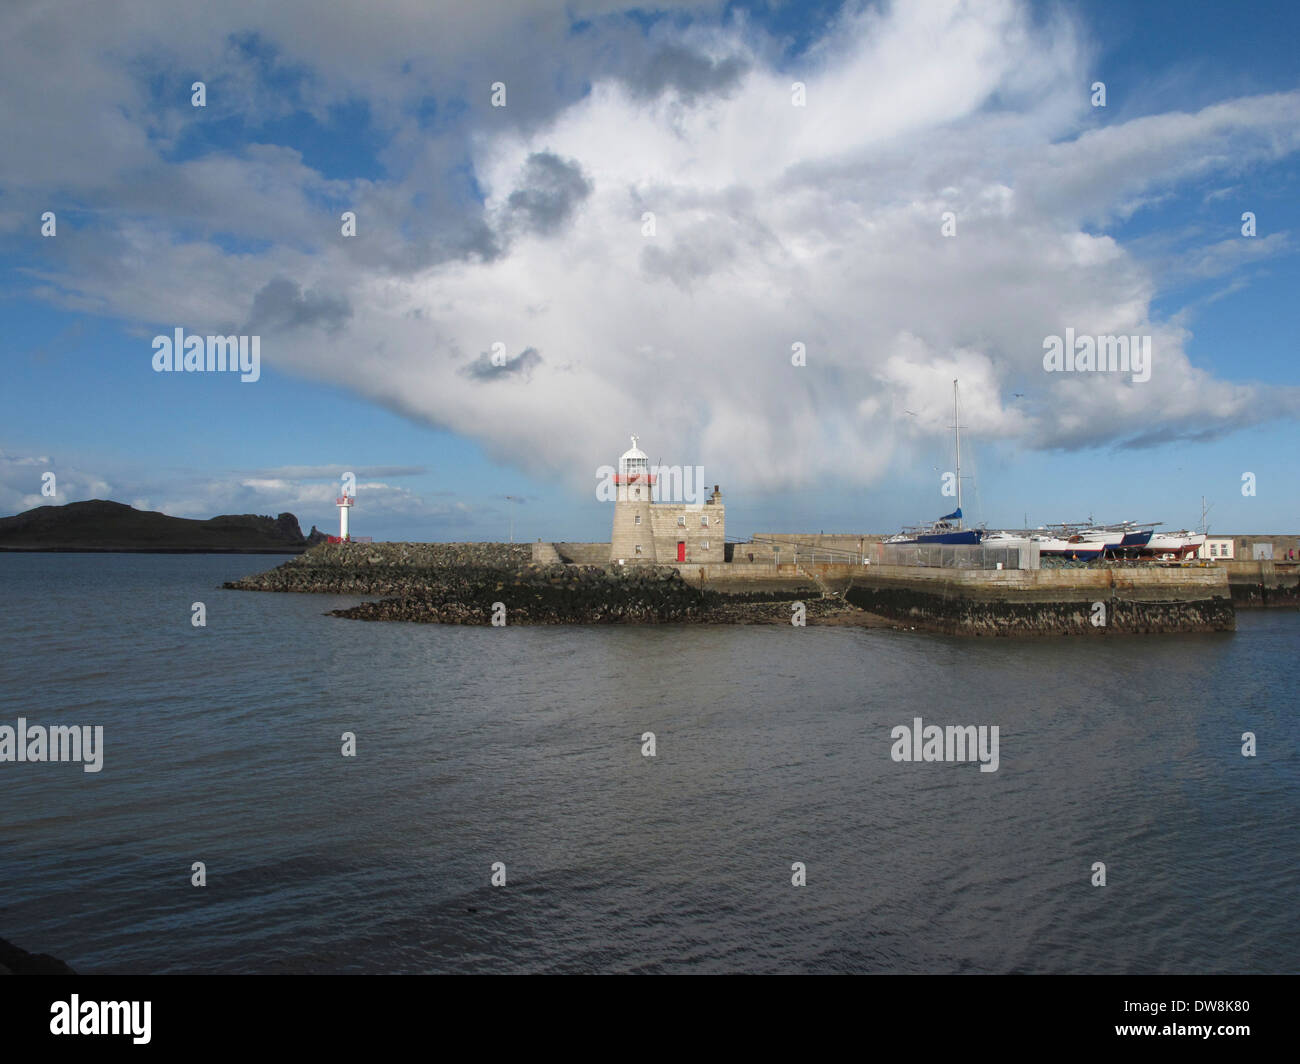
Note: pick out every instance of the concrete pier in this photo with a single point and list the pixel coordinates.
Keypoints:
(1050, 601)
(1263, 584)
(1004, 602)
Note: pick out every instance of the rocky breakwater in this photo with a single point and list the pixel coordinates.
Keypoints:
(544, 594)
(463, 583)
(582, 594)
(382, 568)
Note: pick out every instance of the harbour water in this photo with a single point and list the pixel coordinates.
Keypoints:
(524, 746)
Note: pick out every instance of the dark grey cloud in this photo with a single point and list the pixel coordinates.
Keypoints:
(681, 264)
(282, 305)
(707, 247)
(1184, 434)
(484, 369)
(552, 189)
(692, 74)
(1243, 411)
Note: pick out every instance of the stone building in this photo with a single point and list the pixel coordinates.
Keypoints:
(650, 531)
(1262, 547)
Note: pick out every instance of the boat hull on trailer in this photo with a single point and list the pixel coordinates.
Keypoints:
(1104, 539)
(1178, 544)
(1049, 547)
(946, 531)
(966, 536)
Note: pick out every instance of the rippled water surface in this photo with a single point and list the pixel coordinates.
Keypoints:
(523, 746)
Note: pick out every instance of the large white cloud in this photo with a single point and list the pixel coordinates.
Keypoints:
(774, 225)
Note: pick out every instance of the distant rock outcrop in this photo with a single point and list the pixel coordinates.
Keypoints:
(15, 961)
(101, 525)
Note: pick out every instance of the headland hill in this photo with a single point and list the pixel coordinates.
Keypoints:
(100, 525)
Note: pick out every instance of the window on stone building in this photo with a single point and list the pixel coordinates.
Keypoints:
(706, 544)
(681, 521)
(638, 519)
(638, 548)
(704, 521)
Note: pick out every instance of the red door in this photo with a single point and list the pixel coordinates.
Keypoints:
(681, 550)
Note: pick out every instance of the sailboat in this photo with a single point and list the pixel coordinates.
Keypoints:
(949, 528)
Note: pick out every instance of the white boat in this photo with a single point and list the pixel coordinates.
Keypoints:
(1108, 539)
(1074, 548)
(1179, 544)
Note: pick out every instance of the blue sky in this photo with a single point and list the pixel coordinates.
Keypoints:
(774, 224)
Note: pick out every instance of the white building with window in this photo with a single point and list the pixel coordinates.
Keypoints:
(1217, 548)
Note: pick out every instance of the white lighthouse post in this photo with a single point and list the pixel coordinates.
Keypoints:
(632, 539)
(344, 503)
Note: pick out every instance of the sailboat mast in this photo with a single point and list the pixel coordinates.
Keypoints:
(956, 426)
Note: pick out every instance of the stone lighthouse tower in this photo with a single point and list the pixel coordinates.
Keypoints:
(633, 537)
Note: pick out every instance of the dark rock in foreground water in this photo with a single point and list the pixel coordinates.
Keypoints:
(15, 961)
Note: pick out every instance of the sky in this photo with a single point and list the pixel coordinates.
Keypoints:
(764, 236)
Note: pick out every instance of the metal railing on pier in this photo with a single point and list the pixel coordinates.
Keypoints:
(807, 552)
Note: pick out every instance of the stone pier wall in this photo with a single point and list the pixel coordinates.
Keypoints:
(1049, 601)
(583, 553)
(1263, 584)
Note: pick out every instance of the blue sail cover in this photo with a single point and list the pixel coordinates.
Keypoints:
(954, 516)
